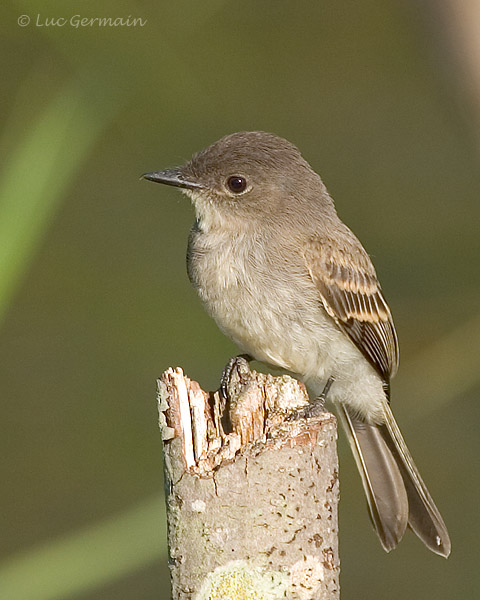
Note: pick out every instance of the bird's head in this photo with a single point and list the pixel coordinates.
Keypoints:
(246, 177)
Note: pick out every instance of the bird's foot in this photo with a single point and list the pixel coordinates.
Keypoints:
(239, 364)
(314, 408)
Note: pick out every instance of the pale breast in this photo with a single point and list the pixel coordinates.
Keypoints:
(269, 311)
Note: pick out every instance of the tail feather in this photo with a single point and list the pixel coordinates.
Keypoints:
(382, 480)
(424, 517)
(396, 493)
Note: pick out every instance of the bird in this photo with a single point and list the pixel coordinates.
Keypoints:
(294, 288)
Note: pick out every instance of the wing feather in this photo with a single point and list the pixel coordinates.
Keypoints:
(351, 294)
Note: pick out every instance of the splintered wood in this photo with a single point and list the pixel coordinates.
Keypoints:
(259, 403)
(251, 494)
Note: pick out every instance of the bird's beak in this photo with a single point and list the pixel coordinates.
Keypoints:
(172, 177)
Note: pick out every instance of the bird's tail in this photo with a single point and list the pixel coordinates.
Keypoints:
(396, 493)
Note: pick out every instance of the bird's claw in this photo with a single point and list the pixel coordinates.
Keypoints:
(236, 363)
(314, 408)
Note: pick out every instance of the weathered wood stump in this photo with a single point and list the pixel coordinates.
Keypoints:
(251, 497)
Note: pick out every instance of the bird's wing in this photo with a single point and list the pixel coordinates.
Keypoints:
(351, 295)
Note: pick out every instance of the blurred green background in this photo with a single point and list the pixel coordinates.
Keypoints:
(94, 298)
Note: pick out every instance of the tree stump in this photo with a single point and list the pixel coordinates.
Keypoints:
(251, 496)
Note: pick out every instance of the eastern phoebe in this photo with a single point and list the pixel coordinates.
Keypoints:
(292, 286)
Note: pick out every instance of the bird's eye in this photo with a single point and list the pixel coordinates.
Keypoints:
(237, 184)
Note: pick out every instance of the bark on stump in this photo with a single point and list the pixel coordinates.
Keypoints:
(252, 513)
